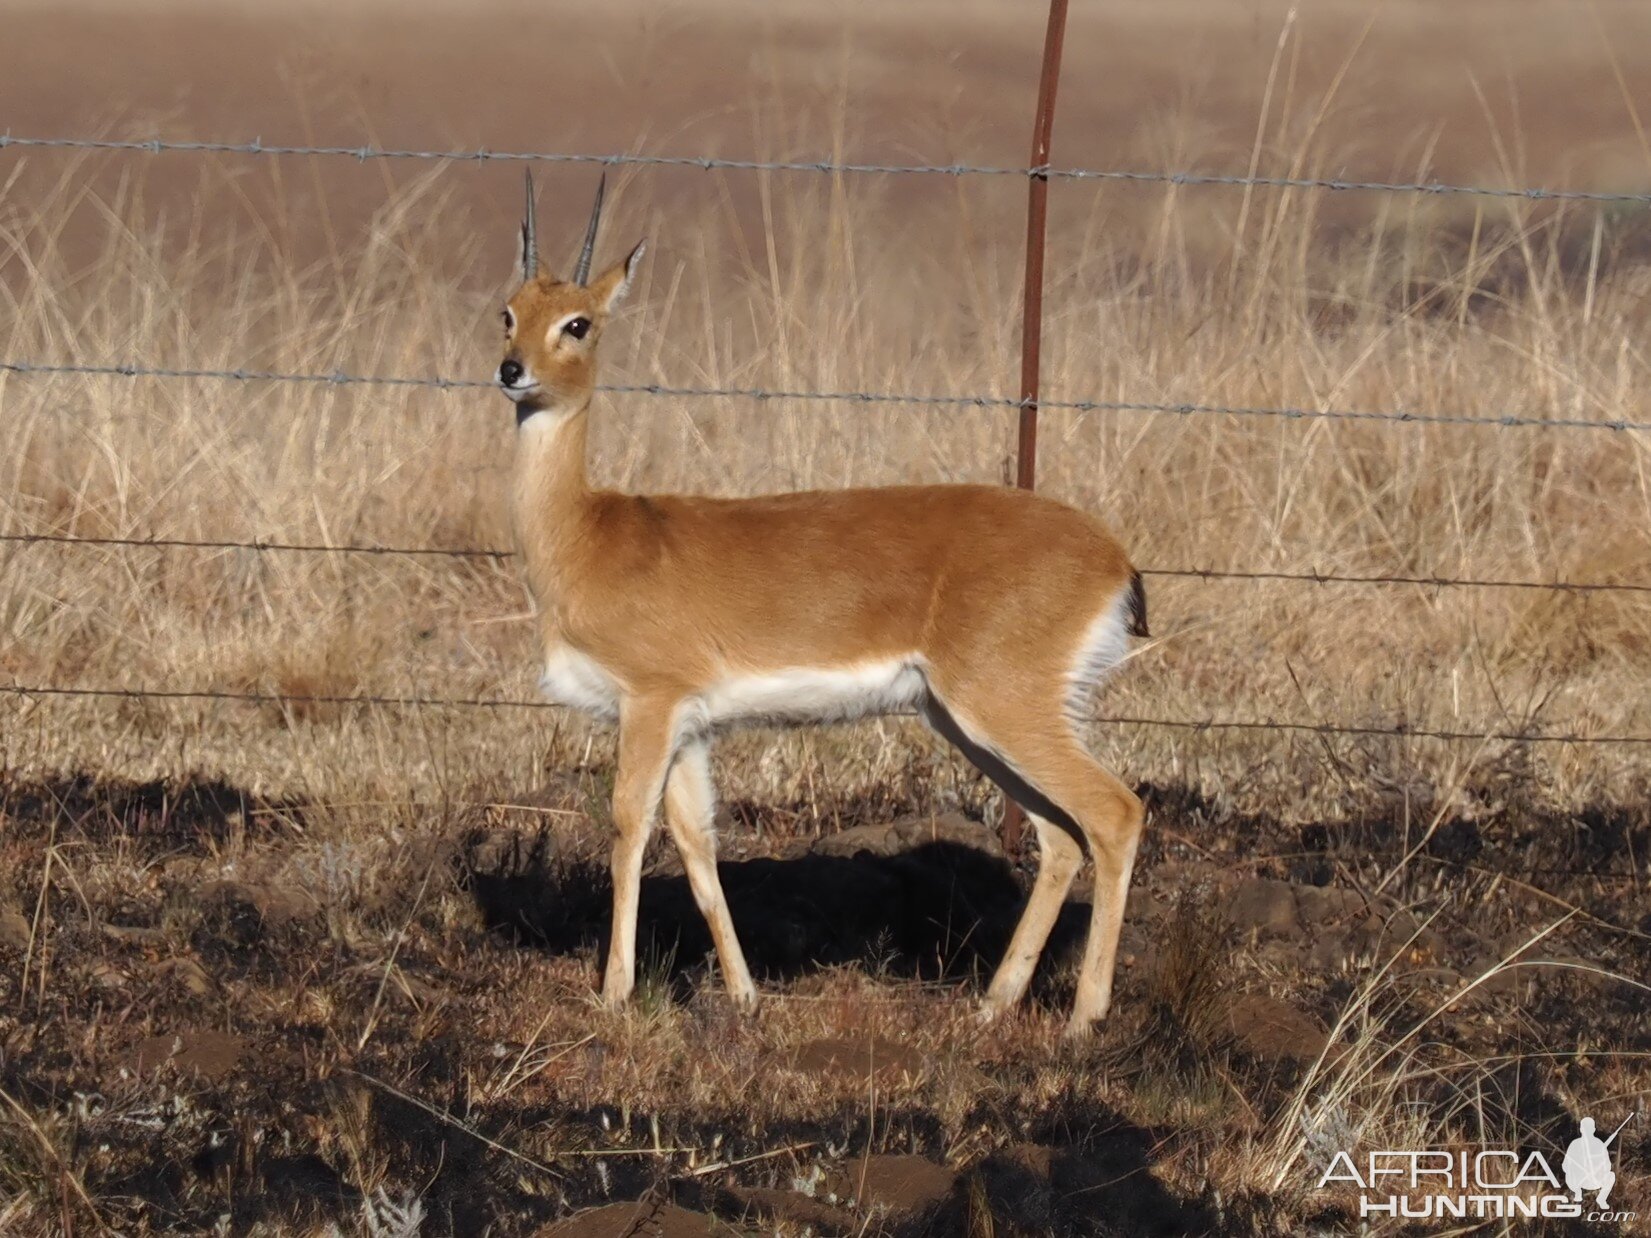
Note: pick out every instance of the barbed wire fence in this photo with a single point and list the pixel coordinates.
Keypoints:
(706, 163)
(338, 378)
(47, 369)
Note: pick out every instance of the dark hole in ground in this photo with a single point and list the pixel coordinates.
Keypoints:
(938, 911)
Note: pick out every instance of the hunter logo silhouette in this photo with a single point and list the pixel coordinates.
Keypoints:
(1587, 1162)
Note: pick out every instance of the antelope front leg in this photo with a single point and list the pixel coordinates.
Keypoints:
(645, 736)
(690, 812)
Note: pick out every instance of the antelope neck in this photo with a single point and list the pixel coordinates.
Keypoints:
(549, 490)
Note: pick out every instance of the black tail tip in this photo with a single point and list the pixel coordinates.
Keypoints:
(1137, 606)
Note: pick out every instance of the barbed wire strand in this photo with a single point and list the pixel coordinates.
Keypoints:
(1400, 731)
(363, 153)
(259, 544)
(477, 552)
(343, 378)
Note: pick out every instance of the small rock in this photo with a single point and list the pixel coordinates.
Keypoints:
(1400, 937)
(775, 1205)
(108, 976)
(241, 914)
(1498, 981)
(1136, 946)
(14, 929)
(900, 1185)
(1330, 950)
(909, 833)
(855, 1058)
(132, 934)
(187, 973)
(1264, 907)
(1327, 904)
(211, 1054)
(1275, 1030)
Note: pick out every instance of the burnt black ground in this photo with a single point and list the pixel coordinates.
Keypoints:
(939, 912)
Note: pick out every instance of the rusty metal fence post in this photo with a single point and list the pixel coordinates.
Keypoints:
(1037, 213)
(1031, 329)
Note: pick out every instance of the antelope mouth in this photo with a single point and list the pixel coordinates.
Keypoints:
(517, 391)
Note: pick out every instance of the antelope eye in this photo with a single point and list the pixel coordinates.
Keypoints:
(509, 320)
(578, 328)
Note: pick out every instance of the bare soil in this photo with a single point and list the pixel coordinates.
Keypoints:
(276, 1045)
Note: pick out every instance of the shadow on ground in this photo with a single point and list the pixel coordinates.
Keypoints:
(939, 911)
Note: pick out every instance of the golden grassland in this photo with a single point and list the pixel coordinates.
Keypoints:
(325, 881)
(1158, 294)
(1485, 315)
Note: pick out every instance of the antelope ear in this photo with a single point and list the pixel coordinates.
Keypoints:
(612, 285)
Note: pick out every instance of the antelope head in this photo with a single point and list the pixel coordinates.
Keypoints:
(551, 326)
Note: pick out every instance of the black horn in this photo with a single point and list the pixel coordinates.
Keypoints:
(530, 240)
(582, 272)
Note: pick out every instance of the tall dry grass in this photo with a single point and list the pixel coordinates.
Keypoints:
(1157, 294)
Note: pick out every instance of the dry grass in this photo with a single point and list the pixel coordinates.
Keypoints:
(1289, 318)
(373, 977)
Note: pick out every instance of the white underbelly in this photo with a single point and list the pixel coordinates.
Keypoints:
(580, 682)
(795, 694)
(813, 693)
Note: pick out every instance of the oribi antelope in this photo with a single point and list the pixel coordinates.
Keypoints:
(990, 611)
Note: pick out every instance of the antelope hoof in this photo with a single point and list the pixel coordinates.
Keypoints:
(1082, 1026)
(990, 1011)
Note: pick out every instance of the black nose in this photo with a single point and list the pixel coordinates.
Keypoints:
(510, 371)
